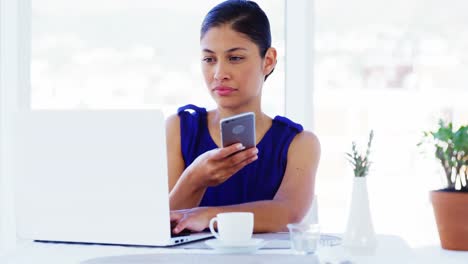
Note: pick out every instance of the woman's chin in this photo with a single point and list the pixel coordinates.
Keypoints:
(226, 102)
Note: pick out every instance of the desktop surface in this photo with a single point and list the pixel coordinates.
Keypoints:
(391, 249)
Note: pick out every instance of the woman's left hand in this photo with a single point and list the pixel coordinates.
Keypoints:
(194, 219)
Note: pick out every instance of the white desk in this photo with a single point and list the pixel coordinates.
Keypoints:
(391, 249)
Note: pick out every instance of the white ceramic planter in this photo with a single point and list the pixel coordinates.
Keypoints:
(359, 236)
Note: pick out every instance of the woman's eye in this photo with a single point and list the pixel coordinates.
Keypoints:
(235, 58)
(208, 59)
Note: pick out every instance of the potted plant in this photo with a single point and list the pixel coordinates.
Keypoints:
(359, 236)
(450, 204)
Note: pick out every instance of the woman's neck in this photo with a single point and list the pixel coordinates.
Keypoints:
(262, 121)
(220, 113)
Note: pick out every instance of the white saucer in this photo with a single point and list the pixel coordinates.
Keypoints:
(247, 247)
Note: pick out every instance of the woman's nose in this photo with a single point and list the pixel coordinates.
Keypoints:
(221, 72)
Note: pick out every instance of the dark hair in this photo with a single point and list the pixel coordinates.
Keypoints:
(245, 17)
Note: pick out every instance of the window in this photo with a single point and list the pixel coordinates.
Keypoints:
(124, 54)
(395, 68)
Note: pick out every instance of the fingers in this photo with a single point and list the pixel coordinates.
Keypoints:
(227, 161)
(245, 157)
(176, 220)
(177, 215)
(195, 220)
(227, 151)
(181, 225)
(236, 162)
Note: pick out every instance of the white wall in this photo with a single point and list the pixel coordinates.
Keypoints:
(13, 97)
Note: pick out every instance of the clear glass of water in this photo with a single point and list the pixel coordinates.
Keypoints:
(304, 237)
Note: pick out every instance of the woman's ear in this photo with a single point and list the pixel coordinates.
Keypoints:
(269, 62)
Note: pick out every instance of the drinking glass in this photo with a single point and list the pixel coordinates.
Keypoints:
(304, 237)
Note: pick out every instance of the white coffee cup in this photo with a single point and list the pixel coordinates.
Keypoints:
(233, 227)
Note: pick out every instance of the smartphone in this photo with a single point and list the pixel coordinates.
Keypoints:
(238, 129)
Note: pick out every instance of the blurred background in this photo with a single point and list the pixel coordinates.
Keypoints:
(395, 67)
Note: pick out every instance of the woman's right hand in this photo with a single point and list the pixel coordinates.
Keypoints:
(216, 166)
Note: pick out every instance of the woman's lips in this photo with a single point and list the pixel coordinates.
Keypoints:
(223, 90)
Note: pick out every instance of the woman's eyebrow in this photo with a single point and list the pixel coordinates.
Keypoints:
(235, 49)
(208, 51)
(227, 51)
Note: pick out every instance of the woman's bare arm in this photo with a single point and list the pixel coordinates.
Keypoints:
(176, 165)
(187, 185)
(289, 205)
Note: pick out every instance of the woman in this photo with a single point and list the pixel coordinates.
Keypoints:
(274, 180)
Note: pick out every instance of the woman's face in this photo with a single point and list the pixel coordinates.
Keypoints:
(232, 67)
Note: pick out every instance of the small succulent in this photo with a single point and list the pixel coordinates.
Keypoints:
(360, 163)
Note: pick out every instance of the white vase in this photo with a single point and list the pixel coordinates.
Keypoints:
(359, 236)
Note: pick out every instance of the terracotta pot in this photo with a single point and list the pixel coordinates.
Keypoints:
(451, 213)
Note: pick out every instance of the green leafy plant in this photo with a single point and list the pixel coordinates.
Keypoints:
(360, 163)
(451, 149)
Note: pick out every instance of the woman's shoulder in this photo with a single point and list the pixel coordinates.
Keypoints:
(305, 143)
(191, 109)
(303, 139)
(308, 138)
(285, 122)
(185, 112)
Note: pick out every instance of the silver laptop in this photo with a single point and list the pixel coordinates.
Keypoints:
(93, 177)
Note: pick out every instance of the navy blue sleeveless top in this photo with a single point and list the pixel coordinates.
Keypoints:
(259, 180)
